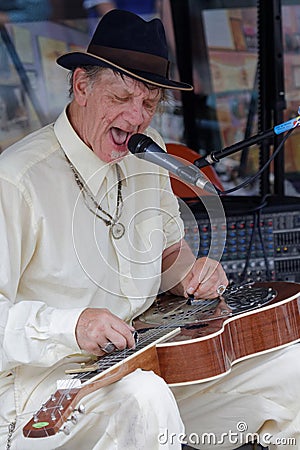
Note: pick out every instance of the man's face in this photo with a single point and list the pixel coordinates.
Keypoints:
(113, 109)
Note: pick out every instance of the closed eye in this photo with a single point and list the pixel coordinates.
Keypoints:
(121, 99)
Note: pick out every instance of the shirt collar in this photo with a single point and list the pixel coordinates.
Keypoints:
(92, 169)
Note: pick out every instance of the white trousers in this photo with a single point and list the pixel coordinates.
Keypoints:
(260, 395)
(128, 415)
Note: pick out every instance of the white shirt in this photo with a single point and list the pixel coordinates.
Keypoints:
(57, 258)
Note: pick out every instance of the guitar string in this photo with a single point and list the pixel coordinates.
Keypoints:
(107, 361)
(113, 358)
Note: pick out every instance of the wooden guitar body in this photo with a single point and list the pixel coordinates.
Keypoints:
(207, 351)
(185, 342)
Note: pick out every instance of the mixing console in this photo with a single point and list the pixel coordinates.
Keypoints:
(260, 244)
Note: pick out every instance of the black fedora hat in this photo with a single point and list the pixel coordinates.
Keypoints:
(125, 42)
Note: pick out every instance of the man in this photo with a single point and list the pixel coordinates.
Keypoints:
(86, 232)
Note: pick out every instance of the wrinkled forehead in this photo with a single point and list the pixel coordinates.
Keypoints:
(130, 85)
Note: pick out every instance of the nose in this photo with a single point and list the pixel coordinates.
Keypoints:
(136, 113)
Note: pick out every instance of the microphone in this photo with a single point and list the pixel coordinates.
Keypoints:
(144, 147)
(214, 157)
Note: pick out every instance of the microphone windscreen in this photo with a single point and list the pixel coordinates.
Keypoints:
(138, 143)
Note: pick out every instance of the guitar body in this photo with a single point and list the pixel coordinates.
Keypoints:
(185, 343)
(208, 346)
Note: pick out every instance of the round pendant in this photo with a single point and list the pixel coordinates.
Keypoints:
(117, 230)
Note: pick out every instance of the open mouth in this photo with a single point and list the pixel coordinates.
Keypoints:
(119, 136)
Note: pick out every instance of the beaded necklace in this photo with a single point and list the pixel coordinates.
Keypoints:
(116, 228)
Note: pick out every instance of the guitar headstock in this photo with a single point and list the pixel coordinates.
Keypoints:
(51, 417)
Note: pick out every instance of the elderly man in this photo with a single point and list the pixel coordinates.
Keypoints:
(89, 235)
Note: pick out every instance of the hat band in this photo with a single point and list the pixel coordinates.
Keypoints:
(132, 59)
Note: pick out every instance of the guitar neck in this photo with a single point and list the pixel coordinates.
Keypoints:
(213, 335)
(55, 412)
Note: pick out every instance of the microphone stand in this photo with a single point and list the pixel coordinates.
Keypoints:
(215, 156)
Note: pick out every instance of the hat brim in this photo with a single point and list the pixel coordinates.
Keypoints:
(77, 59)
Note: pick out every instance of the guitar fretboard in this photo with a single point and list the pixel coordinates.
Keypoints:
(146, 339)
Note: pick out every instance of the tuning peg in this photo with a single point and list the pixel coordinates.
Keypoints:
(74, 418)
(66, 430)
(80, 409)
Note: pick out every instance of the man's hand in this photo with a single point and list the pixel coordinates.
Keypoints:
(205, 277)
(183, 274)
(98, 326)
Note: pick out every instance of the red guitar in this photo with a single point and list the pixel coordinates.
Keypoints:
(185, 343)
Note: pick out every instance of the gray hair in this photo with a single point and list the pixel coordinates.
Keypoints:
(93, 73)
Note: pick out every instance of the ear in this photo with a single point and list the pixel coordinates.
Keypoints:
(80, 86)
